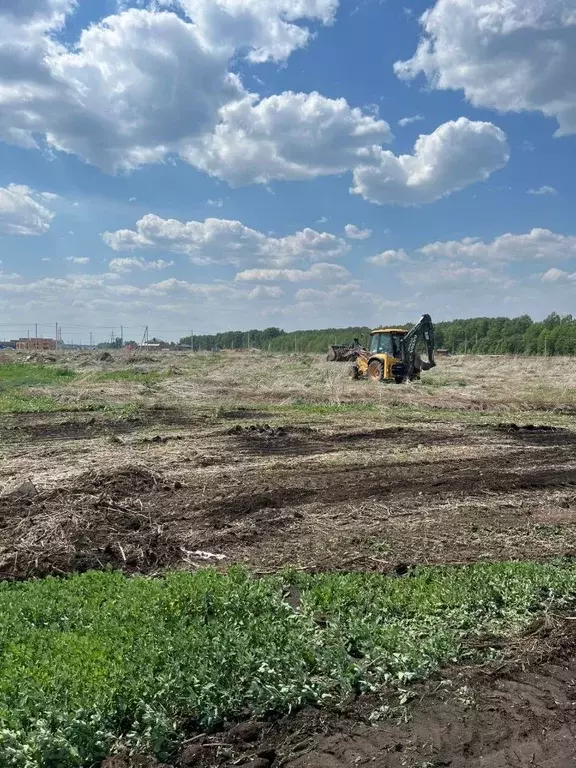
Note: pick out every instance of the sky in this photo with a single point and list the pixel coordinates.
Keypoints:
(237, 164)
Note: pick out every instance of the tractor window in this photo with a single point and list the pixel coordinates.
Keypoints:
(381, 344)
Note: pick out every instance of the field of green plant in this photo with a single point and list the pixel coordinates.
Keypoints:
(97, 661)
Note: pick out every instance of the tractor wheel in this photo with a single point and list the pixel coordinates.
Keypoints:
(375, 370)
(353, 372)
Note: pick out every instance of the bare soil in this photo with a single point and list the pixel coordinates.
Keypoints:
(314, 497)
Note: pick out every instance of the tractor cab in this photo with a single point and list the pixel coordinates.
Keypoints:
(387, 341)
(386, 355)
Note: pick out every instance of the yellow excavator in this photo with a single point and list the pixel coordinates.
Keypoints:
(394, 353)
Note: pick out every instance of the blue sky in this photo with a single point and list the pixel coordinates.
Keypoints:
(216, 164)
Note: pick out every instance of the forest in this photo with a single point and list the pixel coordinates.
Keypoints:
(555, 335)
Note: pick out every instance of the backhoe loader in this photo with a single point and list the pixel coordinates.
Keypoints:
(393, 355)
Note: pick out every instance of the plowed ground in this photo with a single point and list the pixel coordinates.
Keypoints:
(314, 497)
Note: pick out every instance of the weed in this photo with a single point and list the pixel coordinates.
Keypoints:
(98, 661)
(15, 375)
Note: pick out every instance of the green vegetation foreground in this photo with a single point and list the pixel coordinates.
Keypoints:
(99, 661)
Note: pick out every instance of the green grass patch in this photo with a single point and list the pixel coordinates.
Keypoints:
(22, 402)
(97, 661)
(16, 375)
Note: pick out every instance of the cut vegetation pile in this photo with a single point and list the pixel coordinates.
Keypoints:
(360, 539)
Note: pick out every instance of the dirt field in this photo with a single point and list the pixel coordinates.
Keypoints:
(274, 461)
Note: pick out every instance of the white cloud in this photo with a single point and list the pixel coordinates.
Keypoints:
(472, 260)
(147, 85)
(143, 83)
(356, 233)
(78, 259)
(288, 136)
(388, 258)
(265, 27)
(545, 190)
(403, 122)
(454, 156)
(325, 272)
(509, 55)
(536, 245)
(266, 292)
(215, 203)
(554, 275)
(35, 14)
(222, 241)
(20, 213)
(118, 99)
(129, 264)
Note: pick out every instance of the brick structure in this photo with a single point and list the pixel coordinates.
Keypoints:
(35, 344)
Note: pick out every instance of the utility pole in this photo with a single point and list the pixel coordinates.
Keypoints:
(192, 339)
(56, 337)
(121, 336)
(36, 336)
(91, 345)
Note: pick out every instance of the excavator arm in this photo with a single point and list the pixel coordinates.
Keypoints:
(422, 331)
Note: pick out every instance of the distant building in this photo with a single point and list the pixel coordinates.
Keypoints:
(35, 344)
(443, 352)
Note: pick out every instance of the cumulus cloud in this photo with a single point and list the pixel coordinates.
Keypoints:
(21, 213)
(509, 55)
(140, 84)
(403, 122)
(388, 258)
(224, 241)
(266, 28)
(545, 190)
(146, 85)
(323, 271)
(129, 264)
(555, 275)
(288, 136)
(472, 260)
(455, 155)
(265, 292)
(36, 14)
(119, 99)
(536, 245)
(78, 259)
(356, 233)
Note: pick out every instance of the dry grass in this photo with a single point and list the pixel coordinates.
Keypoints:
(360, 470)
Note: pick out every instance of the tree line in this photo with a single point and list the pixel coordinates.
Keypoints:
(555, 335)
